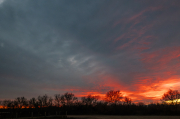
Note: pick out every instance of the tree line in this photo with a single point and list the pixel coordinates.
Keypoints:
(114, 103)
(67, 99)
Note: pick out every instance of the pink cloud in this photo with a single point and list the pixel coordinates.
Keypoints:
(160, 59)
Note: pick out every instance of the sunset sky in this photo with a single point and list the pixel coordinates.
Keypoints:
(89, 47)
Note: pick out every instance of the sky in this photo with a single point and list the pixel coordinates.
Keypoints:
(89, 47)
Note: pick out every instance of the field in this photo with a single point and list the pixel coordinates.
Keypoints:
(120, 117)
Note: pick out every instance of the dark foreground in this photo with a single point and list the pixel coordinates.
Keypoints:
(99, 117)
(120, 117)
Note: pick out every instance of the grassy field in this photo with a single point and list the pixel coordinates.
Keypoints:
(120, 117)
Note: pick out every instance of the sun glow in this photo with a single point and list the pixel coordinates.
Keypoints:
(23, 107)
(173, 101)
(3, 107)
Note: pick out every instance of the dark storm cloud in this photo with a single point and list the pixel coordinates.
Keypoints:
(53, 45)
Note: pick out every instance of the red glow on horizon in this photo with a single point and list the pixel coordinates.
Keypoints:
(3, 107)
(146, 90)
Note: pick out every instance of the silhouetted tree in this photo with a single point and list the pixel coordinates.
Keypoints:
(24, 101)
(1, 103)
(43, 101)
(21, 102)
(171, 95)
(69, 98)
(40, 101)
(33, 103)
(10, 104)
(7, 103)
(113, 96)
(140, 104)
(57, 99)
(16, 104)
(89, 100)
(127, 101)
(50, 102)
(63, 100)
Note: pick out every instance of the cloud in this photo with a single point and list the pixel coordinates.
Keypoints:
(88, 47)
(1, 1)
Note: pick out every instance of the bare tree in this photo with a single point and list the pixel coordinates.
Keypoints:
(33, 103)
(7, 103)
(57, 99)
(50, 102)
(69, 98)
(16, 104)
(63, 100)
(171, 95)
(43, 101)
(10, 104)
(89, 100)
(21, 102)
(1, 103)
(40, 101)
(113, 96)
(127, 101)
(24, 102)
